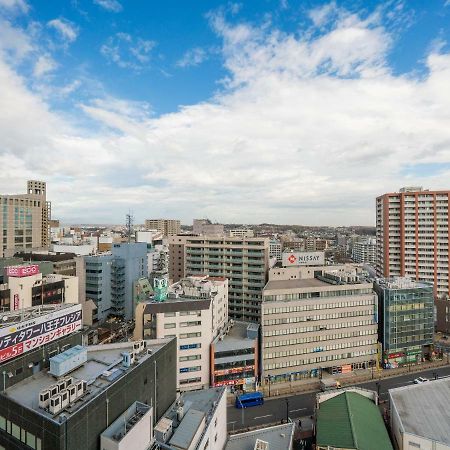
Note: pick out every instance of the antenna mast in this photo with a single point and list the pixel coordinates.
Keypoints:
(129, 225)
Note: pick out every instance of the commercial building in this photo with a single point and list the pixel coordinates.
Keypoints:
(167, 227)
(243, 261)
(76, 403)
(234, 356)
(24, 220)
(419, 415)
(364, 251)
(350, 419)
(324, 321)
(204, 226)
(197, 421)
(413, 237)
(406, 319)
(25, 287)
(110, 279)
(195, 310)
(279, 437)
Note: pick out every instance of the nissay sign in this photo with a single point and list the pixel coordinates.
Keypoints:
(22, 271)
(303, 259)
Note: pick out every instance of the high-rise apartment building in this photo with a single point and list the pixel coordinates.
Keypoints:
(413, 236)
(275, 250)
(166, 226)
(24, 220)
(364, 250)
(244, 261)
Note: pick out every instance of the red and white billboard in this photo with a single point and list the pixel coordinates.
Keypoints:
(292, 259)
(31, 334)
(22, 271)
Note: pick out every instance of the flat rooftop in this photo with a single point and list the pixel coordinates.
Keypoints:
(295, 284)
(278, 437)
(237, 337)
(423, 409)
(103, 368)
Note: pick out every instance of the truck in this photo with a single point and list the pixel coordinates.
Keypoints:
(328, 384)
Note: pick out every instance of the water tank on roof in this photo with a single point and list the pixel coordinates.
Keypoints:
(67, 361)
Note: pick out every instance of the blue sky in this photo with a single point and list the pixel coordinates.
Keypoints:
(274, 110)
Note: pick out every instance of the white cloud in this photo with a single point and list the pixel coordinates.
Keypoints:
(127, 51)
(15, 6)
(44, 65)
(306, 130)
(66, 29)
(109, 5)
(192, 57)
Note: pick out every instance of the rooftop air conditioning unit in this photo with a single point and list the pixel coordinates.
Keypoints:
(65, 399)
(44, 398)
(55, 404)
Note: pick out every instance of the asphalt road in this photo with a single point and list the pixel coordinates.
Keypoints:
(276, 409)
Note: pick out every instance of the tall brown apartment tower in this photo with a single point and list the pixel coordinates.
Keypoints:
(24, 220)
(413, 236)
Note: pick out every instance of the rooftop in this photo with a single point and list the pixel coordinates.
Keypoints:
(423, 409)
(402, 283)
(278, 437)
(352, 421)
(294, 284)
(13, 317)
(198, 408)
(237, 337)
(103, 367)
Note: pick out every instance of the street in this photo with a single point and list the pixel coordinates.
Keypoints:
(277, 409)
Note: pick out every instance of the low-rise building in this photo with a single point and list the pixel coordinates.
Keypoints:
(279, 437)
(197, 421)
(25, 287)
(325, 322)
(419, 415)
(406, 320)
(349, 419)
(195, 310)
(234, 356)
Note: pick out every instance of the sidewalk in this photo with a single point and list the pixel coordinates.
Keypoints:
(358, 376)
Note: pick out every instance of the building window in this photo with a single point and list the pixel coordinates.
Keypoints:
(169, 325)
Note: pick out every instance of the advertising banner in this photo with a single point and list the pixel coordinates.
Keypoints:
(292, 259)
(30, 334)
(22, 271)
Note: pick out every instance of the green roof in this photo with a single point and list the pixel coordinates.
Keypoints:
(351, 421)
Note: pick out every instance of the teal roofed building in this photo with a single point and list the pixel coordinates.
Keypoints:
(350, 420)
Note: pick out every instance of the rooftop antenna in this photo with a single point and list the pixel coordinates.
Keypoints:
(129, 225)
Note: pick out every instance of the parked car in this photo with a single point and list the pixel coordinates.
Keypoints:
(420, 380)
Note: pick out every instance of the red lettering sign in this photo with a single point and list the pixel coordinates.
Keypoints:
(22, 271)
(16, 302)
(11, 352)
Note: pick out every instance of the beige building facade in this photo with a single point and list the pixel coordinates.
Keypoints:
(195, 312)
(244, 261)
(311, 323)
(168, 227)
(24, 220)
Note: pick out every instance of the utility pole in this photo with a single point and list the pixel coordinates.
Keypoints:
(287, 409)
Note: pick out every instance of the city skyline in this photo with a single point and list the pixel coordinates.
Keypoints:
(290, 112)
